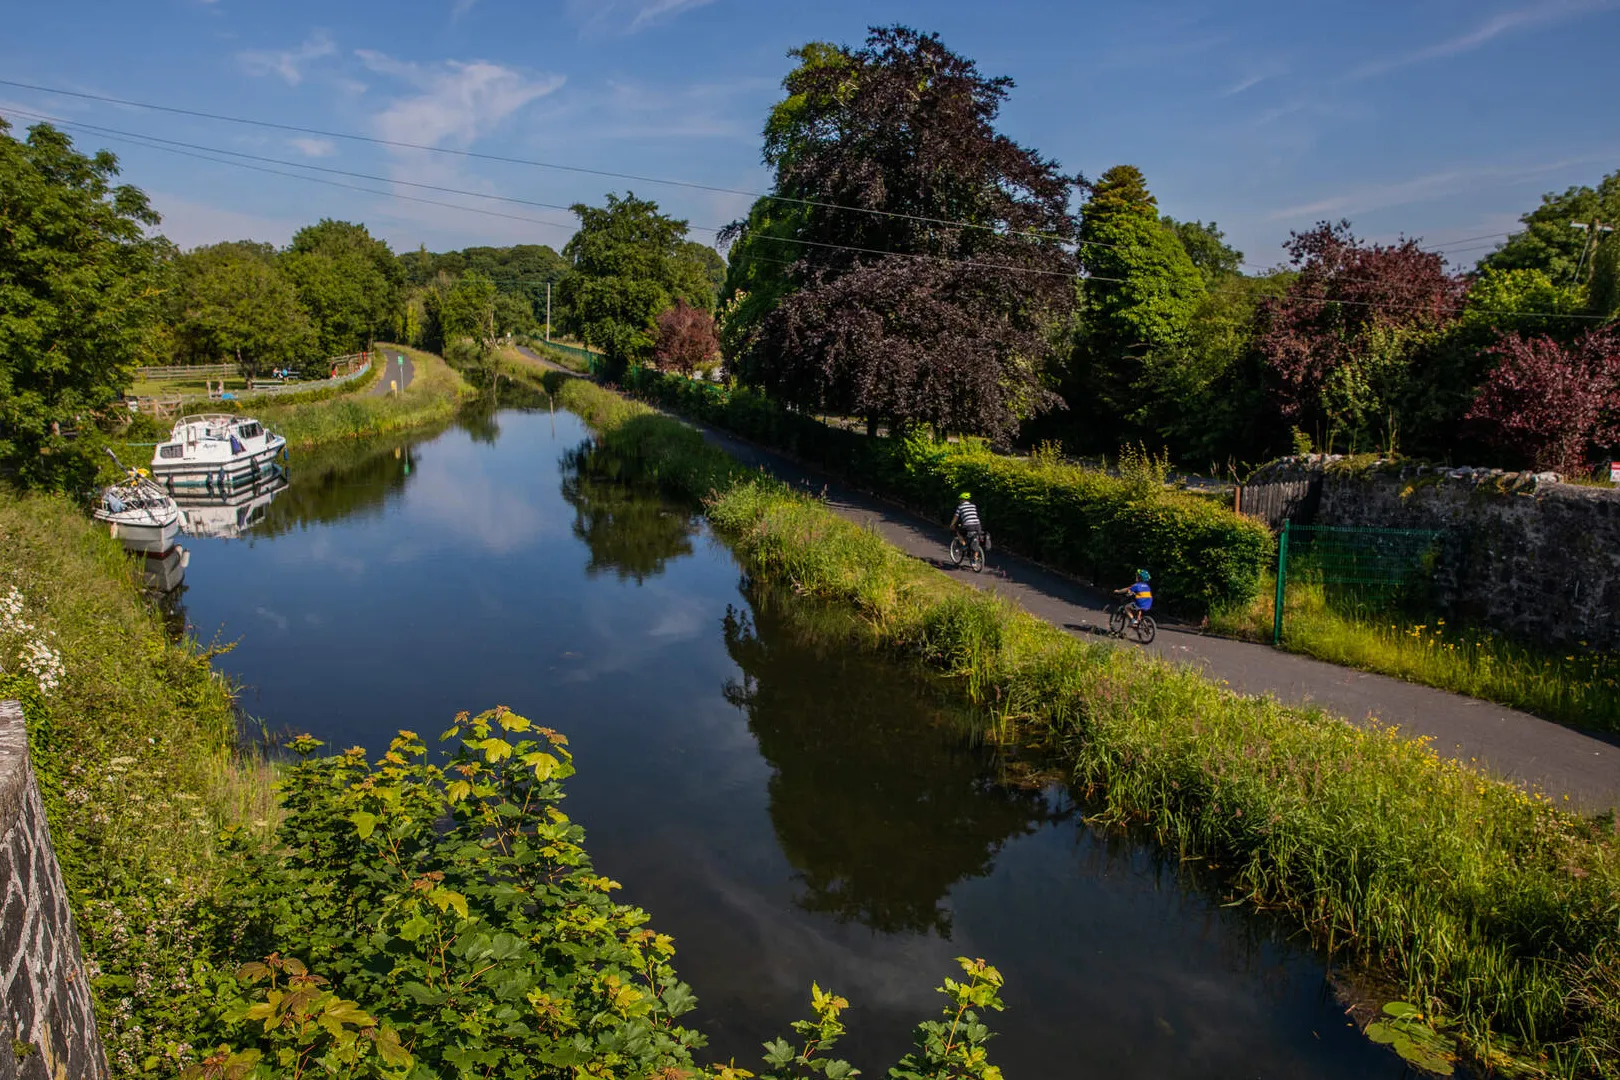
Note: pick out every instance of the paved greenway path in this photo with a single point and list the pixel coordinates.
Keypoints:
(1556, 759)
(394, 371)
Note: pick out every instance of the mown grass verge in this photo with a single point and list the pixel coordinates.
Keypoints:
(136, 752)
(1580, 688)
(1493, 910)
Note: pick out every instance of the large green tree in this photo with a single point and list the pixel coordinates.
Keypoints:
(628, 266)
(1207, 248)
(349, 282)
(232, 301)
(1549, 243)
(1141, 292)
(928, 273)
(79, 296)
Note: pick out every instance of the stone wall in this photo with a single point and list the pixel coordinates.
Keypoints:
(1521, 553)
(47, 1027)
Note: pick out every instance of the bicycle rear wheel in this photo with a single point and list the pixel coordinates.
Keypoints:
(1146, 629)
(976, 559)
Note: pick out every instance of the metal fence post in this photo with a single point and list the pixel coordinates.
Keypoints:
(1282, 584)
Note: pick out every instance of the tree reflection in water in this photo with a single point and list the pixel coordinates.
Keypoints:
(879, 801)
(630, 532)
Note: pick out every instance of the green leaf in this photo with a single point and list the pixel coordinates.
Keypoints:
(1402, 1009)
(364, 823)
(414, 928)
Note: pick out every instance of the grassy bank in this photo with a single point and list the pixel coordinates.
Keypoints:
(1490, 909)
(1097, 526)
(435, 393)
(1578, 688)
(135, 748)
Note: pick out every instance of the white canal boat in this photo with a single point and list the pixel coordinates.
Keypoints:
(217, 453)
(142, 515)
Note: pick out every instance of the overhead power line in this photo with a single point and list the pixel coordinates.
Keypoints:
(196, 151)
(530, 162)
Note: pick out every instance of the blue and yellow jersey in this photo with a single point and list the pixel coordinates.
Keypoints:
(1142, 593)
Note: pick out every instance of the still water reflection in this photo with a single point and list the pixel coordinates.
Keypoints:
(789, 809)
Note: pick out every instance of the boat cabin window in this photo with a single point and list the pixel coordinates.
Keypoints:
(250, 430)
(173, 450)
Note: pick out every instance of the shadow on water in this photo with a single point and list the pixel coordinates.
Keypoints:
(627, 533)
(877, 799)
(788, 805)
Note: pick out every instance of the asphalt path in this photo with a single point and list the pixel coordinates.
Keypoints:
(394, 371)
(1559, 761)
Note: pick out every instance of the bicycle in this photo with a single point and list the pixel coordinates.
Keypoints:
(1119, 617)
(972, 551)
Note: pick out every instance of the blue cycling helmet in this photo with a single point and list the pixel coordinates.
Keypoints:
(1143, 575)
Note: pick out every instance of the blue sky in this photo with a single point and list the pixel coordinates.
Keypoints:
(1443, 119)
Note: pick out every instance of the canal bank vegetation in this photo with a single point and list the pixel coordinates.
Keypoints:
(435, 392)
(134, 740)
(1580, 688)
(1099, 526)
(1489, 908)
(399, 918)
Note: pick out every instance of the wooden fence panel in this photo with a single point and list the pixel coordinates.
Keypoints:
(1277, 501)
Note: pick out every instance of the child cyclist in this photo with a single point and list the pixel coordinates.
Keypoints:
(1141, 596)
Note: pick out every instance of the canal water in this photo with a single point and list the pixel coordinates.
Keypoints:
(789, 810)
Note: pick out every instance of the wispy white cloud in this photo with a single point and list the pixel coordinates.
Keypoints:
(448, 104)
(1535, 14)
(1429, 186)
(456, 101)
(313, 147)
(288, 63)
(460, 8)
(626, 16)
(1244, 84)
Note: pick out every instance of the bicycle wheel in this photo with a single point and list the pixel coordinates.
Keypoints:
(976, 559)
(1146, 629)
(956, 551)
(1116, 621)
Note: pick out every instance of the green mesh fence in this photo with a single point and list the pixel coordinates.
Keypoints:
(1359, 569)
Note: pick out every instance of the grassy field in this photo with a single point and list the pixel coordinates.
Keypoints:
(1580, 687)
(1488, 908)
(136, 750)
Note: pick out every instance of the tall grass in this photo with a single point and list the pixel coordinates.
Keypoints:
(1485, 904)
(1578, 687)
(136, 751)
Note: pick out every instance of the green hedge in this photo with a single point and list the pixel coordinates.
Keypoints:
(1080, 520)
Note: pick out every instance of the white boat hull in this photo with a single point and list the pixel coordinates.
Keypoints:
(150, 538)
(219, 476)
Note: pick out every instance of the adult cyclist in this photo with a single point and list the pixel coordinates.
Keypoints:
(966, 525)
(1141, 596)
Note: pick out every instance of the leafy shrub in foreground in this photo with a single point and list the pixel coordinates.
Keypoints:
(421, 921)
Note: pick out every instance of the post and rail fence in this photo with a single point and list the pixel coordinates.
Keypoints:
(341, 369)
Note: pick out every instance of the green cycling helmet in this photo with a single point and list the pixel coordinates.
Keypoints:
(965, 496)
(1143, 575)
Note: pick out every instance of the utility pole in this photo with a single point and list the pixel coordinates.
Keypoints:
(1591, 228)
(548, 312)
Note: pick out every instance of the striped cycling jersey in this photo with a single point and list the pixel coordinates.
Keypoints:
(967, 519)
(1142, 593)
